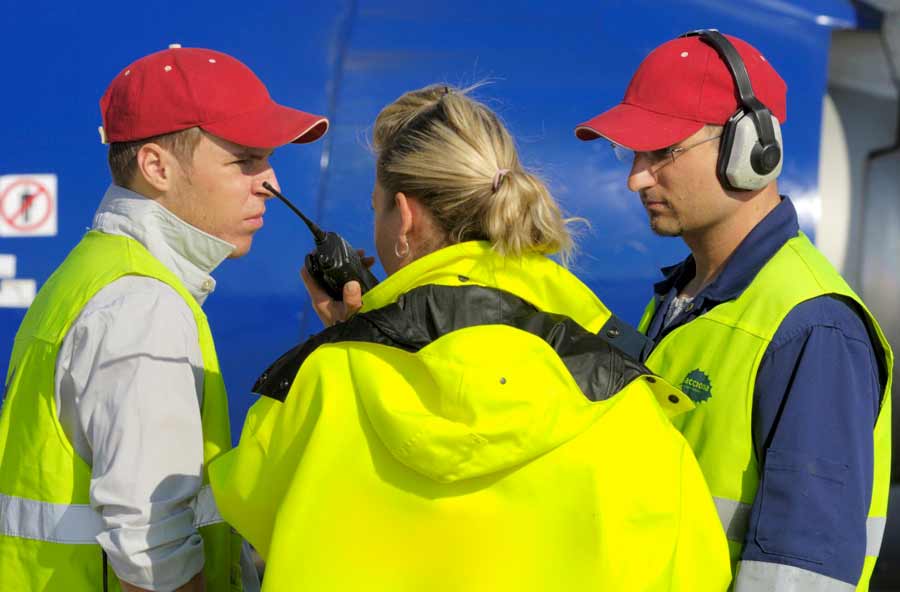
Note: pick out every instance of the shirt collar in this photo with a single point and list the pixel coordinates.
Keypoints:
(187, 251)
(779, 226)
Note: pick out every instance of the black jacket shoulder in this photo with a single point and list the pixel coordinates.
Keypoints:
(427, 313)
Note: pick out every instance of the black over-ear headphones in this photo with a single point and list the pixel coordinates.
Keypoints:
(750, 148)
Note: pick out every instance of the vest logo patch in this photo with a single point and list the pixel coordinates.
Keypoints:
(696, 385)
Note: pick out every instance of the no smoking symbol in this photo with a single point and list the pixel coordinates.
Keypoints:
(26, 205)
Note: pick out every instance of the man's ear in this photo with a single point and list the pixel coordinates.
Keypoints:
(155, 165)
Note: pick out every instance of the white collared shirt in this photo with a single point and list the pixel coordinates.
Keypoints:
(129, 384)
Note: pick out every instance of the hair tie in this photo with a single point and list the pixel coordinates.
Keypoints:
(498, 178)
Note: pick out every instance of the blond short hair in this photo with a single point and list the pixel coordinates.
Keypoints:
(445, 148)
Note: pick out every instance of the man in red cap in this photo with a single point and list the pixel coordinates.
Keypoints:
(790, 372)
(115, 403)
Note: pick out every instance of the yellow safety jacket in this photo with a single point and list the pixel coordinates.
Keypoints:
(441, 440)
(47, 526)
(717, 356)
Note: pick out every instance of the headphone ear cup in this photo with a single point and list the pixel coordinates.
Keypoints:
(745, 151)
(765, 158)
(726, 144)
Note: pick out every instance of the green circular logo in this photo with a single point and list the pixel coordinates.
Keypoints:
(696, 385)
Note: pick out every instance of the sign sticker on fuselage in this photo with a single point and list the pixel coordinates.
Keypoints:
(28, 205)
(14, 292)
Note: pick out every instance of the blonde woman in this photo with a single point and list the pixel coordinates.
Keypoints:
(467, 430)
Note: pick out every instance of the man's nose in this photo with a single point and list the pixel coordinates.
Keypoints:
(266, 177)
(641, 176)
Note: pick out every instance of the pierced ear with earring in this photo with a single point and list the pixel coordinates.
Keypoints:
(401, 247)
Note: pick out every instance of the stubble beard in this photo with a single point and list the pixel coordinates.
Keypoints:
(662, 223)
(665, 226)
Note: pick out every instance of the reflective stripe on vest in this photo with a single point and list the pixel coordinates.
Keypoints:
(77, 524)
(874, 535)
(757, 576)
(735, 517)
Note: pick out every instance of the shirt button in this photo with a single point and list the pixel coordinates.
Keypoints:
(207, 285)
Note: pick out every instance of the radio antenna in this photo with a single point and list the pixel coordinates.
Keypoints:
(318, 233)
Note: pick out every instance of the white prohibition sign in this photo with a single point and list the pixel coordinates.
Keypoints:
(28, 205)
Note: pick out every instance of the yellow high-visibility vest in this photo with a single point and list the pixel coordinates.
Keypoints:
(47, 526)
(716, 357)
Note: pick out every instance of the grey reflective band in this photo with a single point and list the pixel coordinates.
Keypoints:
(204, 507)
(735, 517)
(757, 576)
(874, 534)
(74, 524)
(77, 524)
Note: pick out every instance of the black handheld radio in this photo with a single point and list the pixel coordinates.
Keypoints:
(334, 262)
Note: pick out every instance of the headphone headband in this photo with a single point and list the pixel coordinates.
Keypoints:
(759, 112)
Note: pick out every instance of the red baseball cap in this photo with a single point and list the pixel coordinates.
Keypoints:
(179, 88)
(680, 87)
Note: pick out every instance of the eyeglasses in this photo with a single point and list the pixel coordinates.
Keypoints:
(656, 159)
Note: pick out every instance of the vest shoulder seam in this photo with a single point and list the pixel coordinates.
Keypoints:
(737, 326)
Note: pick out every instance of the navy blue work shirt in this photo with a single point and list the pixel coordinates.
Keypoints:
(817, 396)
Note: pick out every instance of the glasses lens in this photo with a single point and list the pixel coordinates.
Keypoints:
(623, 154)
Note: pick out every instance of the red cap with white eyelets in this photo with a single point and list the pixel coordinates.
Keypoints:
(180, 88)
(680, 87)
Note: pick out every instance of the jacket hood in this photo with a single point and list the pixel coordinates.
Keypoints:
(483, 398)
(474, 402)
